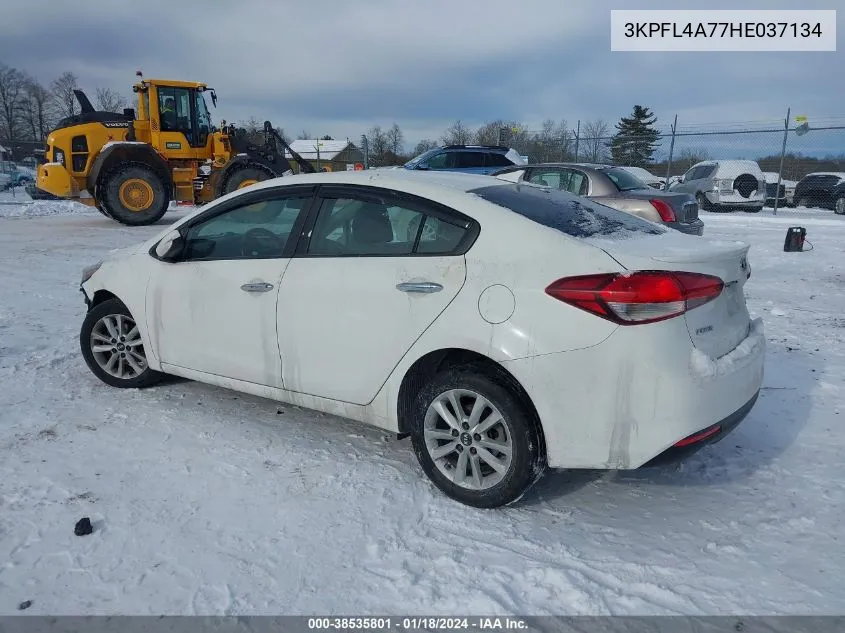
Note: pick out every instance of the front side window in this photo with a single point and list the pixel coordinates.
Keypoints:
(203, 118)
(347, 227)
(174, 106)
(443, 160)
(259, 230)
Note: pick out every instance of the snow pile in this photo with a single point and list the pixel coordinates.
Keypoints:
(703, 366)
(39, 208)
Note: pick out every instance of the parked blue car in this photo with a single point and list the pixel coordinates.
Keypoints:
(471, 159)
(12, 175)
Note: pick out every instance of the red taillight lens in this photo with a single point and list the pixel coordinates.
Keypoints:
(638, 297)
(665, 211)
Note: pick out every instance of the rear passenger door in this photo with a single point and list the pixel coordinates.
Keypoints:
(372, 272)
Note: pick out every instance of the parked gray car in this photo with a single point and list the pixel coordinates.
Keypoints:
(614, 187)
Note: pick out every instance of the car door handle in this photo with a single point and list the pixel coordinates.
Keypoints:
(419, 286)
(260, 286)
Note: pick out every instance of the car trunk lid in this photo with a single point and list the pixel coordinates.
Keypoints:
(718, 326)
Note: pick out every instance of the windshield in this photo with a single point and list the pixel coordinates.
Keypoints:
(416, 161)
(625, 180)
(203, 117)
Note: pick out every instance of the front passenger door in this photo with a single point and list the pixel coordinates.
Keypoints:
(214, 311)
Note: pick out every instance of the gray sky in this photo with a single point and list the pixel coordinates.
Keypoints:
(338, 68)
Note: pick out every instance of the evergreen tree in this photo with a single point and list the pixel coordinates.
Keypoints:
(635, 141)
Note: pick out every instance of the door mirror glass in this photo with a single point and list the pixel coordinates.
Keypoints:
(423, 166)
(170, 248)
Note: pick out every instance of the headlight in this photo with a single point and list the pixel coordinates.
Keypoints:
(89, 271)
(58, 156)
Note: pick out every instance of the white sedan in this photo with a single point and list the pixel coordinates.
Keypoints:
(505, 327)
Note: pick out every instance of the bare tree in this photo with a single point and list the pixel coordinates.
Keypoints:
(488, 134)
(109, 100)
(457, 134)
(378, 146)
(64, 100)
(424, 145)
(36, 110)
(12, 83)
(594, 139)
(688, 157)
(303, 136)
(395, 139)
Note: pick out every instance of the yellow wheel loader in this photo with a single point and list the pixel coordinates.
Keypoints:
(131, 165)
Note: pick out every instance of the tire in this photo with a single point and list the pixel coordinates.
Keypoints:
(492, 487)
(134, 195)
(804, 202)
(839, 205)
(703, 202)
(96, 332)
(242, 177)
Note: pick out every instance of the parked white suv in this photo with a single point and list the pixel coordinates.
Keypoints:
(725, 185)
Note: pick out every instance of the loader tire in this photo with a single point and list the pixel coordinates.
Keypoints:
(245, 176)
(134, 195)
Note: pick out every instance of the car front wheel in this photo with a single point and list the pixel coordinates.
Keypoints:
(839, 206)
(475, 439)
(112, 347)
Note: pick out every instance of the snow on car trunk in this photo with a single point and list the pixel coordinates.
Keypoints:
(718, 326)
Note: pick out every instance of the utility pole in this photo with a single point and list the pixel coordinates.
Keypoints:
(782, 153)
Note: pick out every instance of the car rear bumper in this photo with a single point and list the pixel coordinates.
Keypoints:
(693, 443)
(718, 199)
(695, 227)
(627, 400)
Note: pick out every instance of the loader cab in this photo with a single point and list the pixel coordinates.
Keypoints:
(184, 110)
(180, 123)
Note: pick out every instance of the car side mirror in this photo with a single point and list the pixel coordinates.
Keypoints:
(423, 166)
(171, 247)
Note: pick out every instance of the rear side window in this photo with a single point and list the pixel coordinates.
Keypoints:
(625, 180)
(497, 160)
(573, 216)
(470, 160)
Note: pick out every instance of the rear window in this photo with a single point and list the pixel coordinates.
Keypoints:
(625, 180)
(821, 181)
(565, 212)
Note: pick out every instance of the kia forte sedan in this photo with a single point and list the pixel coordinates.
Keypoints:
(506, 328)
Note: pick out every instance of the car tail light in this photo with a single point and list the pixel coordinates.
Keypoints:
(665, 211)
(637, 297)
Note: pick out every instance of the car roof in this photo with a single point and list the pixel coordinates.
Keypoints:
(387, 178)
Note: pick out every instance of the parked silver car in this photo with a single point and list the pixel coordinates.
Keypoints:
(725, 185)
(613, 187)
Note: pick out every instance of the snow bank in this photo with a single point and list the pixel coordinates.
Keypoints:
(38, 208)
(703, 366)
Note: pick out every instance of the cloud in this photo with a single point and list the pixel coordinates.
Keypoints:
(340, 67)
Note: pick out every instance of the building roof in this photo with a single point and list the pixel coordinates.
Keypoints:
(328, 149)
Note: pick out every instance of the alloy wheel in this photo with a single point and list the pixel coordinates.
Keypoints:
(117, 347)
(468, 439)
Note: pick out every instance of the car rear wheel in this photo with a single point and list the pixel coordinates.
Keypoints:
(475, 439)
(112, 347)
(839, 206)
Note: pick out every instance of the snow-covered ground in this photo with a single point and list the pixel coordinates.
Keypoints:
(208, 501)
